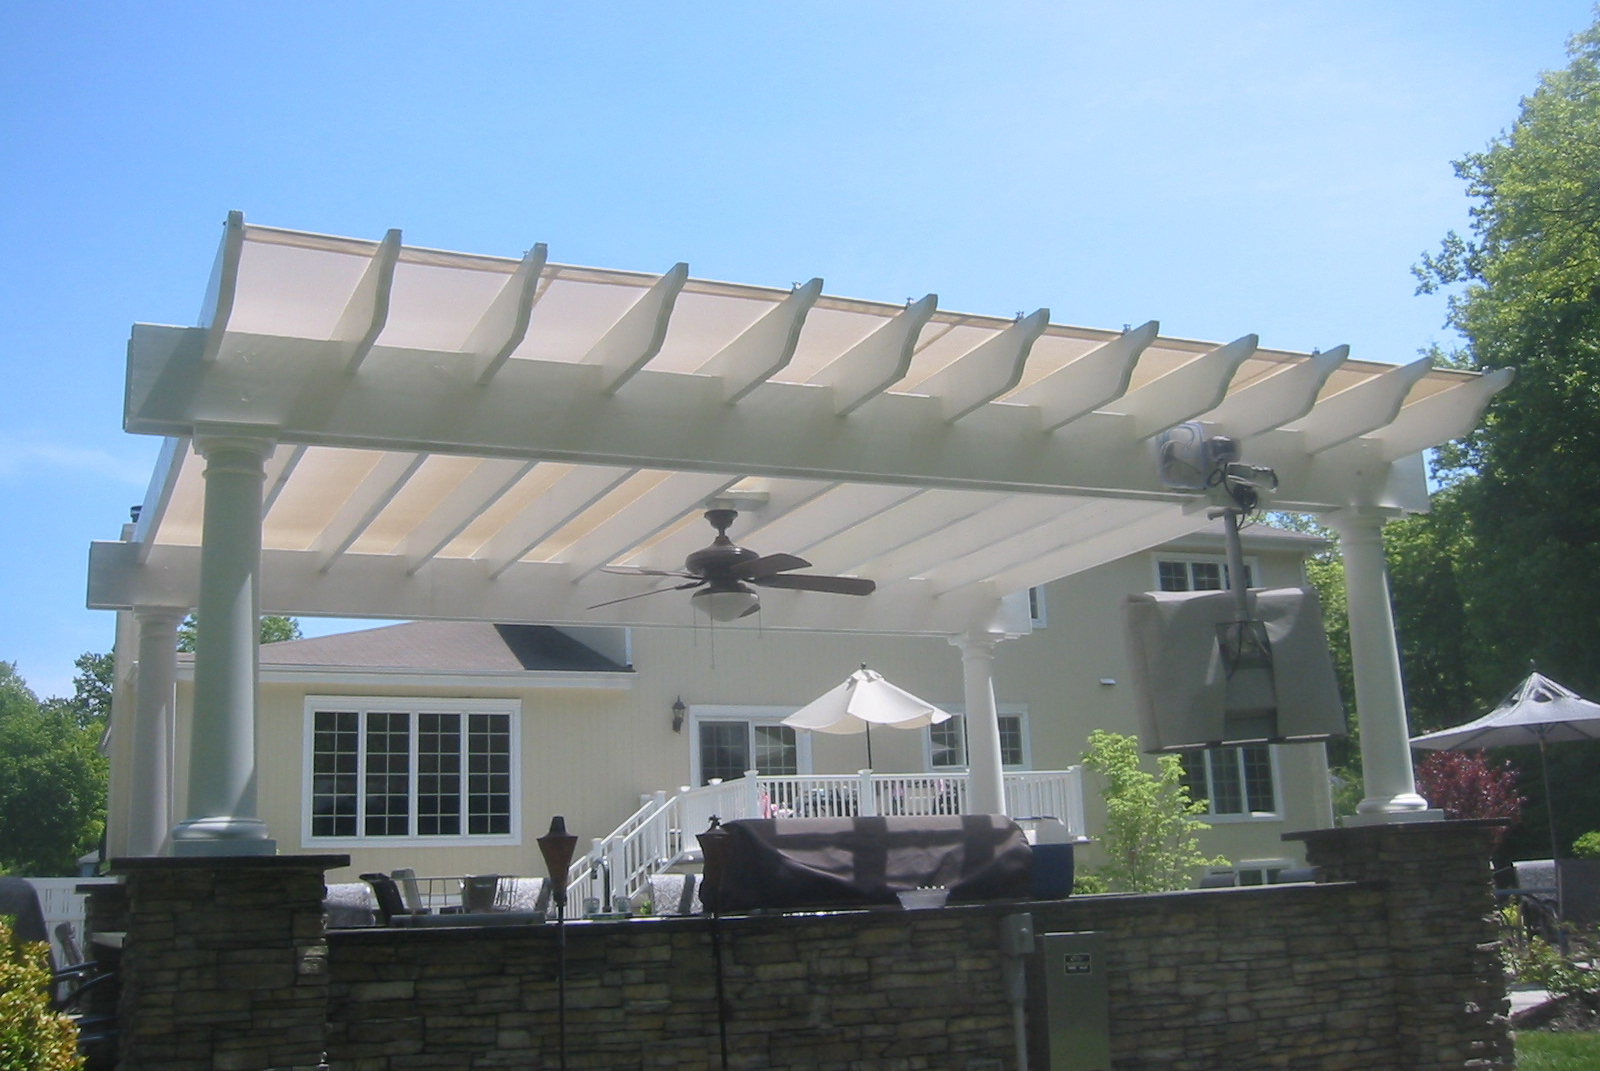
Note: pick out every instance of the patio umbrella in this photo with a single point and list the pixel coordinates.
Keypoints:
(1538, 711)
(865, 699)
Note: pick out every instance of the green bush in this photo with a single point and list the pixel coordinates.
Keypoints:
(1588, 845)
(1150, 836)
(32, 1037)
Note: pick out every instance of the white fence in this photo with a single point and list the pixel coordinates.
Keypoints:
(61, 901)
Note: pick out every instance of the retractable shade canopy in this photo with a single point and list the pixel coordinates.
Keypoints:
(475, 437)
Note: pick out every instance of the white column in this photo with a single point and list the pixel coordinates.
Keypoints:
(1391, 794)
(222, 817)
(149, 792)
(986, 792)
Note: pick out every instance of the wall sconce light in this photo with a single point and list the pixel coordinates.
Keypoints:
(677, 714)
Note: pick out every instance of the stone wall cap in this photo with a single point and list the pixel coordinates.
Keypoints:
(1453, 825)
(124, 864)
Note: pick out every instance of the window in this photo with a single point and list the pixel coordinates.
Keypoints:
(1036, 612)
(947, 742)
(1197, 574)
(409, 770)
(1237, 781)
(728, 744)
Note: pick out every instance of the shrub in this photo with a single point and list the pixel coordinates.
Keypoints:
(1150, 819)
(1587, 846)
(31, 1035)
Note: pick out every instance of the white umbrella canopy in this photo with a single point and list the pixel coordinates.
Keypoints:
(865, 699)
(1537, 711)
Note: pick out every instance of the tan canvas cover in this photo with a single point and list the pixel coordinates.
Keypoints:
(1181, 682)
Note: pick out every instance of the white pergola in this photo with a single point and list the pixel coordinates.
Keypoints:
(366, 429)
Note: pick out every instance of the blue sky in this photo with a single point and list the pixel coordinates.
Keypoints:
(1223, 167)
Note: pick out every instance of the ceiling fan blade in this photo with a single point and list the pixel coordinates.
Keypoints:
(639, 570)
(833, 585)
(768, 565)
(642, 594)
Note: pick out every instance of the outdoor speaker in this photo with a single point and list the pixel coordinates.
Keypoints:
(1201, 678)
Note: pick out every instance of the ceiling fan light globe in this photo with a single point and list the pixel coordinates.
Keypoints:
(724, 604)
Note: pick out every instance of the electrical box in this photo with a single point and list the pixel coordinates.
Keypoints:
(1077, 1002)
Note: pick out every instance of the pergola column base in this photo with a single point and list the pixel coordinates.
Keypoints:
(1389, 818)
(221, 836)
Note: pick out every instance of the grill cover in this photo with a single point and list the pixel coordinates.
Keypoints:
(849, 862)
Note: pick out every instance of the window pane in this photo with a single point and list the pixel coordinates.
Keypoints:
(438, 774)
(947, 748)
(335, 757)
(1010, 740)
(1194, 774)
(1227, 789)
(724, 750)
(489, 774)
(1257, 760)
(1207, 575)
(388, 780)
(1173, 576)
(777, 752)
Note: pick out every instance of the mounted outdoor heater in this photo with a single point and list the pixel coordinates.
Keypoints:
(1236, 666)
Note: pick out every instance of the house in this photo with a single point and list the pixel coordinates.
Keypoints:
(367, 429)
(479, 732)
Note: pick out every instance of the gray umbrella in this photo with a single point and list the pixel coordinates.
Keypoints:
(1536, 712)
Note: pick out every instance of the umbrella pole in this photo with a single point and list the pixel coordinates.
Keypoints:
(1550, 808)
(869, 745)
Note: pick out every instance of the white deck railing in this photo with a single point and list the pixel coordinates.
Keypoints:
(662, 830)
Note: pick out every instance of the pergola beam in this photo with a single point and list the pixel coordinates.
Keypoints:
(550, 410)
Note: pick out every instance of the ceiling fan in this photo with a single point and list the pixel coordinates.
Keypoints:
(724, 571)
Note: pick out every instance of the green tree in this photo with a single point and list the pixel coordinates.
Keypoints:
(1527, 296)
(1151, 829)
(52, 781)
(273, 630)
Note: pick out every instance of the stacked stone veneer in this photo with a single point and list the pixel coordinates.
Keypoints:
(1391, 970)
(224, 966)
(1442, 937)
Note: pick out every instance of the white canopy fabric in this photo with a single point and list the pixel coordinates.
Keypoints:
(863, 700)
(474, 437)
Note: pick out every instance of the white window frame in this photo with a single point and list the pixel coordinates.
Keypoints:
(751, 716)
(412, 707)
(1005, 710)
(1213, 817)
(1269, 869)
(1251, 564)
(1038, 616)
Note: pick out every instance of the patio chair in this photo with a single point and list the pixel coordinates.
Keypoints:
(406, 878)
(387, 893)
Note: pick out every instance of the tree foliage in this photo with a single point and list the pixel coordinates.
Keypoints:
(274, 629)
(52, 781)
(1519, 534)
(1150, 837)
(1467, 784)
(1527, 296)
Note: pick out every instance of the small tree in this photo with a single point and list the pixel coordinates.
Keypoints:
(1465, 784)
(1150, 835)
(31, 1035)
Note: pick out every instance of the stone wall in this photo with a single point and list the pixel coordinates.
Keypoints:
(224, 966)
(1389, 964)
